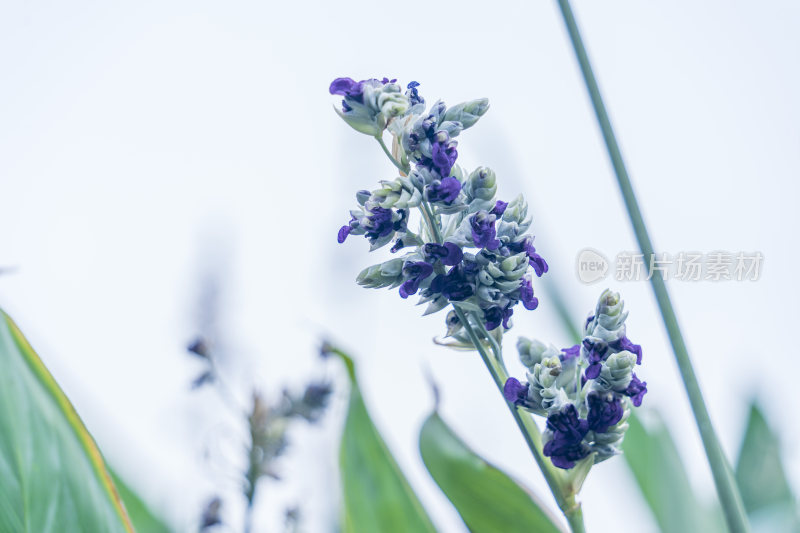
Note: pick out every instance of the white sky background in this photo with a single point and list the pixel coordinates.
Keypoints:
(139, 140)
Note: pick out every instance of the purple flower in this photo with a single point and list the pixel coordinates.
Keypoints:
(625, 344)
(605, 410)
(344, 231)
(567, 444)
(484, 234)
(530, 301)
(416, 271)
(596, 354)
(507, 316)
(445, 191)
(458, 284)
(413, 95)
(495, 315)
(379, 222)
(397, 246)
(571, 352)
(537, 261)
(492, 317)
(448, 253)
(636, 390)
(349, 88)
(444, 154)
(515, 392)
(499, 208)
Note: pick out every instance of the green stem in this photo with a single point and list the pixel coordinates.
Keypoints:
(388, 153)
(726, 485)
(525, 423)
(430, 220)
(575, 517)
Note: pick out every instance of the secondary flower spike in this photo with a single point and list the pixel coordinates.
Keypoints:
(456, 242)
(586, 391)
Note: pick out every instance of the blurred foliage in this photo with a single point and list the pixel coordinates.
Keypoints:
(52, 476)
(485, 497)
(762, 480)
(377, 496)
(651, 454)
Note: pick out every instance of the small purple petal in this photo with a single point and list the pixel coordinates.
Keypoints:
(559, 461)
(567, 444)
(593, 370)
(539, 264)
(499, 208)
(492, 316)
(484, 234)
(514, 391)
(344, 231)
(626, 344)
(571, 352)
(536, 261)
(605, 410)
(347, 87)
(530, 301)
(454, 254)
(444, 155)
(416, 272)
(636, 390)
(445, 190)
(506, 317)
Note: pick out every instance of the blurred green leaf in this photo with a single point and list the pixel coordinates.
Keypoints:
(144, 520)
(487, 499)
(653, 459)
(52, 476)
(377, 496)
(762, 480)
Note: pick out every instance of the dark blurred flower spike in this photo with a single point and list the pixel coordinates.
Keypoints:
(211, 514)
(199, 347)
(203, 379)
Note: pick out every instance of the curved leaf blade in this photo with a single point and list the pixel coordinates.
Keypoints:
(486, 498)
(52, 475)
(653, 458)
(377, 496)
(761, 477)
(142, 516)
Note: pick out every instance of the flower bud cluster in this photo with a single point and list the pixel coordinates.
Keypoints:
(369, 105)
(471, 248)
(585, 391)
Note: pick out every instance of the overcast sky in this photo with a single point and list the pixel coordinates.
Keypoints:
(147, 146)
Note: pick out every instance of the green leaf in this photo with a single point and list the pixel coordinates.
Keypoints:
(377, 496)
(143, 518)
(762, 480)
(487, 499)
(52, 476)
(653, 458)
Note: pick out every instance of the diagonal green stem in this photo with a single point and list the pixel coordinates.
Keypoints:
(525, 423)
(496, 367)
(726, 485)
(388, 153)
